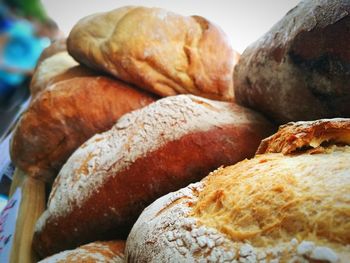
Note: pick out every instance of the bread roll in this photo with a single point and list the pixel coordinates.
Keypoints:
(299, 70)
(272, 208)
(60, 66)
(64, 116)
(111, 178)
(97, 252)
(157, 50)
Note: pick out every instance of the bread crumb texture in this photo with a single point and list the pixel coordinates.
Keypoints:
(271, 200)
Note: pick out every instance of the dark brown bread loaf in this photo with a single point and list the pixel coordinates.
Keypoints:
(299, 70)
(64, 116)
(111, 178)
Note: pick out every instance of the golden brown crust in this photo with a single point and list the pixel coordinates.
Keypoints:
(168, 55)
(110, 179)
(64, 116)
(107, 251)
(297, 136)
(271, 208)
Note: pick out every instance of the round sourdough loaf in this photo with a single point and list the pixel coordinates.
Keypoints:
(157, 50)
(292, 207)
(299, 70)
(64, 116)
(96, 252)
(110, 179)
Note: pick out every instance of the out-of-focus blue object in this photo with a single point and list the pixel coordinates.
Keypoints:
(21, 51)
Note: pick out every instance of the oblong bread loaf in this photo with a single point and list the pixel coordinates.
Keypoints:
(64, 116)
(160, 51)
(107, 182)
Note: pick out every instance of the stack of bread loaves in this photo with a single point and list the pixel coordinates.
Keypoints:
(158, 51)
(114, 147)
(70, 103)
(107, 182)
(99, 123)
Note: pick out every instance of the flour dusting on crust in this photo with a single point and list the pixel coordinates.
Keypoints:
(135, 135)
(167, 231)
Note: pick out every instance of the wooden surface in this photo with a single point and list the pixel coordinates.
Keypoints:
(31, 207)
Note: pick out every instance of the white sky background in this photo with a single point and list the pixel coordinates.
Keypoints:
(243, 21)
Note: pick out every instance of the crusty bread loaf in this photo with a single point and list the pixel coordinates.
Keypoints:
(96, 252)
(160, 51)
(64, 116)
(299, 70)
(107, 182)
(59, 66)
(272, 208)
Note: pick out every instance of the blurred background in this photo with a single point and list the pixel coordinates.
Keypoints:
(29, 26)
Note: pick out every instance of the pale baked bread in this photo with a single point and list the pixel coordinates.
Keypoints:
(64, 116)
(55, 47)
(111, 178)
(157, 50)
(59, 66)
(96, 252)
(299, 70)
(272, 208)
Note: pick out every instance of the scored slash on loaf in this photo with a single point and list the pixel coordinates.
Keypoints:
(108, 181)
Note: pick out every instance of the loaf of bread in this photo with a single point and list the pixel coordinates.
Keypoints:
(157, 50)
(64, 116)
(110, 179)
(96, 252)
(275, 207)
(299, 70)
(59, 66)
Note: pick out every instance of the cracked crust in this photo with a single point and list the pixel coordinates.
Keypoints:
(271, 208)
(157, 50)
(296, 137)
